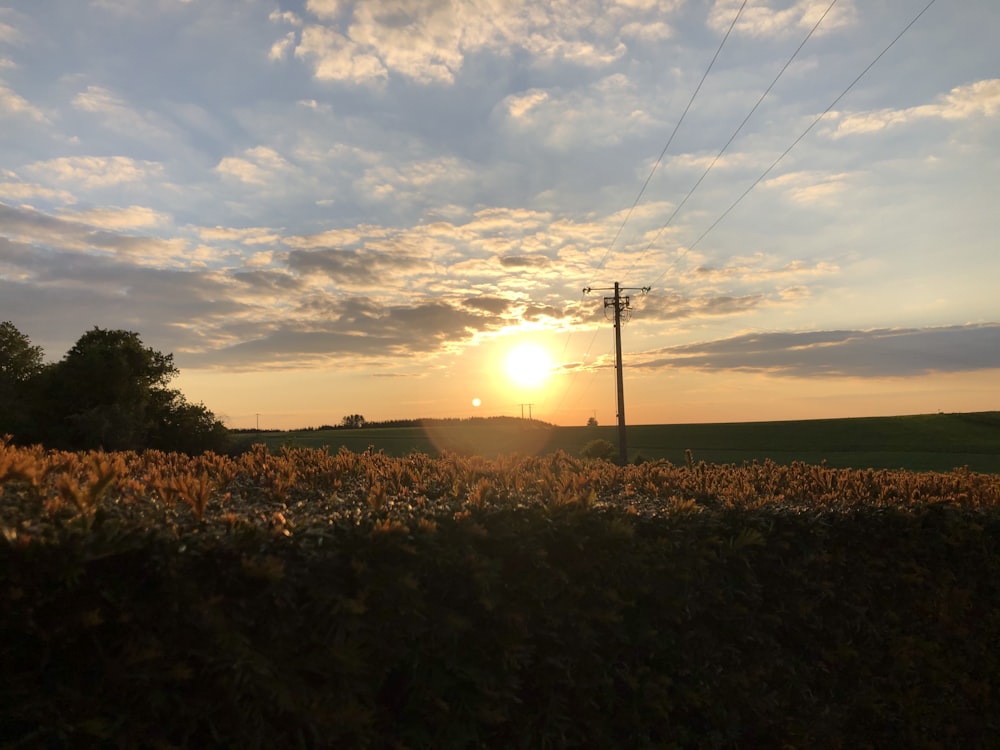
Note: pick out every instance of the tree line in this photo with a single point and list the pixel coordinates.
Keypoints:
(108, 392)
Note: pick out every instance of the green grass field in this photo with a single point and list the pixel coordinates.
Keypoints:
(930, 442)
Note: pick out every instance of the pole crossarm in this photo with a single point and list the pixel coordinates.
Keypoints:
(620, 304)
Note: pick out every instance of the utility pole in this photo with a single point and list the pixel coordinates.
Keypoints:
(529, 410)
(621, 305)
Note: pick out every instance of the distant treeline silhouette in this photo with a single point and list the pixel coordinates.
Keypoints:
(401, 423)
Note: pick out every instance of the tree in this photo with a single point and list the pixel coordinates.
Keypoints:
(110, 391)
(20, 365)
(353, 421)
(591, 421)
(186, 427)
(19, 359)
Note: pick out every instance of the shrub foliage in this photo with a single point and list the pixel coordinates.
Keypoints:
(303, 599)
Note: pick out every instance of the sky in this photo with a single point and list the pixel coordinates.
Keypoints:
(326, 207)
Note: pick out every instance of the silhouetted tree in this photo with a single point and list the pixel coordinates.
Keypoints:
(110, 391)
(353, 421)
(20, 365)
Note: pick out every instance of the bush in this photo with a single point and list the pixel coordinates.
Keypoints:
(599, 449)
(301, 599)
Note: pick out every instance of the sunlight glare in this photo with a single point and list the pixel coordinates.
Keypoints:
(528, 365)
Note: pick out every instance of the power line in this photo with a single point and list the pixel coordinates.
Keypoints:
(670, 140)
(785, 153)
(656, 165)
(729, 142)
(732, 138)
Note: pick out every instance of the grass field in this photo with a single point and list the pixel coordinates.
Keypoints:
(930, 442)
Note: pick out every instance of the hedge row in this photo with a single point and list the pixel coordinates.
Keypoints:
(361, 601)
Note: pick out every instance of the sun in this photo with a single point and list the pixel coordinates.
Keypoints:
(528, 365)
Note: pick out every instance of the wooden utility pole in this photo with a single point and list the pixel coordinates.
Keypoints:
(621, 305)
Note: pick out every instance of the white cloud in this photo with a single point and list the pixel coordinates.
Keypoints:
(337, 58)
(763, 20)
(287, 17)
(428, 42)
(810, 187)
(130, 217)
(649, 32)
(246, 236)
(23, 191)
(520, 104)
(95, 171)
(281, 48)
(979, 99)
(414, 178)
(12, 104)
(324, 8)
(260, 165)
(605, 112)
(8, 34)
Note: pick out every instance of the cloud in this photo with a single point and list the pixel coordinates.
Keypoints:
(327, 9)
(245, 235)
(428, 42)
(362, 267)
(65, 292)
(71, 234)
(281, 48)
(887, 352)
(286, 17)
(386, 182)
(518, 105)
(524, 261)
(119, 117)
(137, 7)
(601, 114)
(812, 187)
(260, 165)
(24, 191)
(759, 268)
(359, 328)
(762, 20)
(95, 171)
(9, 34)
(14, 105)
(336, 58)
(131, 217)
(494, 305)
(979, 99)
(674, 306)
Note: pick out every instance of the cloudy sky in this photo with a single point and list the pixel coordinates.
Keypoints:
(325, 207)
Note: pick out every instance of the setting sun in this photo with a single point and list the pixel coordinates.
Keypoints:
(528, 365)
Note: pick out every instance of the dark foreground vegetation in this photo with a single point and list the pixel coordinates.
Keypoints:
(303, 599)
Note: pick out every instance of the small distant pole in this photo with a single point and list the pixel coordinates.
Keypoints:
(621, 305)
(529, 410)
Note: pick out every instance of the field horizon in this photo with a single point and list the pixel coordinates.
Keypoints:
(920, 442)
